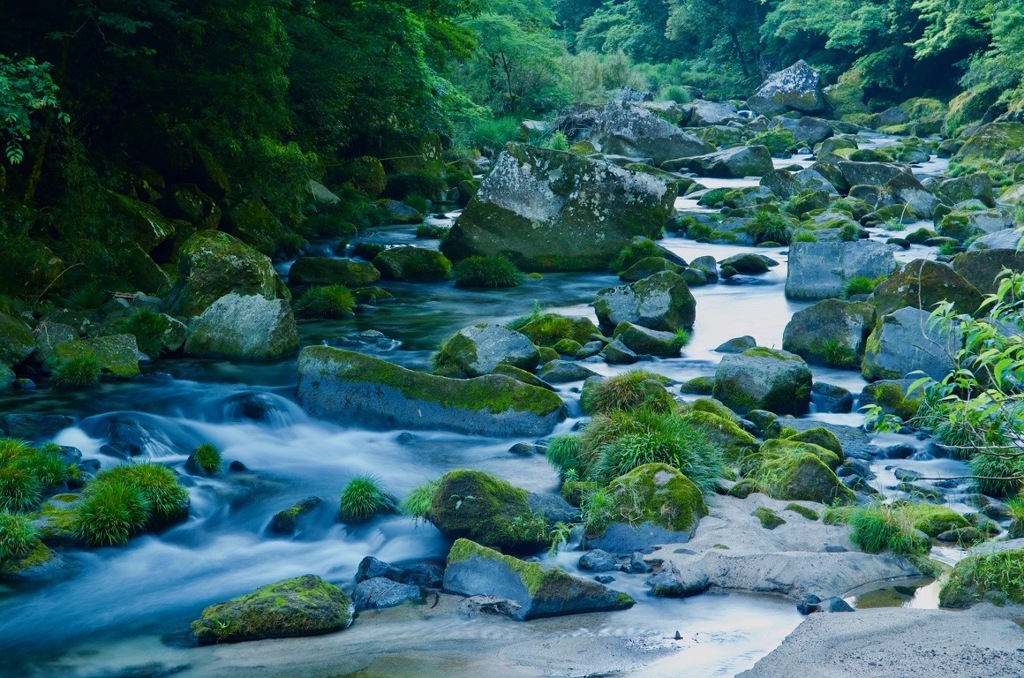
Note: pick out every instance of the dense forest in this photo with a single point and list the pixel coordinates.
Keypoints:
(219, 113)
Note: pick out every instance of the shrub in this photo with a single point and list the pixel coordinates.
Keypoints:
(884, 527)
(769, 226)
(569, 455)
(849, 233)
(495, 133)
(17, 536)
(20, 490)
(329, 301)
(76, 371)
(46, 465)
(678, 94)
(110, 514)
(558, 141)
(417, 503)
(362, 499)
(491, 272)
(208, 458)
(629, 391)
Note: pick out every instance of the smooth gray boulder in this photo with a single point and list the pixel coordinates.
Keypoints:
(645, 341)
(244, 328)
(552, 211)
(763, 379)
(821, 270)
(475, 570)
(905, 341)
(660, 302)
(632, 131)
(346, 386)
(709, 113)
(831, 332)
(870, 173)
(808, 130)
(477, 350)
(732, 163)
(378, 593)
(907, 190)
(795, 88)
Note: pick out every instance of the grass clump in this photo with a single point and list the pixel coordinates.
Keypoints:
(638, 250)
(769, 226)
(17, 536)
(329, 301)
(568, 454)
(629, 391)
(997, 577)
(997, 476)
(417, 503)
(20, 490)
(491, 272)
(26, 473)
(886, 527)
(362, 499)
(206, 459)
(76, 371)
(835, 353)
(860, 284)
(110, 514)
(148, 327)
(166, 499)
(431, 232)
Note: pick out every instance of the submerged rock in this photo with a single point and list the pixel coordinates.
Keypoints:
(346, 386)
(553, 211)
(244, 328)
(302, 606)
(474, 570)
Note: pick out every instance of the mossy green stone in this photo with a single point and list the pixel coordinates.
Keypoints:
(117, 354)
(769, 519)
(302, 606)
(16, 340)
(821, 437)
(996, 577)
(551, 328)
(933, 519)
(734, 442)
(413, 264)
(922, 284)
(799, 471)
(652, 493)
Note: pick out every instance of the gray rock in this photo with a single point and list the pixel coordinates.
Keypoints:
(330, 271)
(34, 427)
(708, 113)
(617, 353)
(244, 328)
(795, 88)
(830, 398)
(660, 302)
(737, 345)
(425, 575)
(1000, 240)
(832, 332)
(623, 129)
(292, 519)
(906, 189)
(763, 379)
(48, 335)
(870, 173)
(732, 163)
(378, 593)
(624, 538)
(553, 508)
(821, 270)
(597, 560)
(904, 342)
(644, 341)
(477, 350)
(564, 372)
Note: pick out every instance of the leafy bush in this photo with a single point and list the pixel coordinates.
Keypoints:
(490, 272)
(362, 499)
(110, 514)
(678, 94)
(558, 141)
(76, 371)
(328, 301)
(495, 133)
(417, 503)
(17, 536)
(629, 391)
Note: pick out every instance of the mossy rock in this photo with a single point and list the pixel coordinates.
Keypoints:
(644, 341)
(551, 328)
(534, 590)
(698, 386)
(247, 327)
(806, 512)
(799, 471)
(476, 505)
(647, 267)
(413, 264)
(365, 174)
(328, 271)
(660, 302)
(933, 519)
(922, 284)
(254, 224)
(346, 386)
(997, 577)
(117, 354)
(477, 350)
(302, 606)
(140, 222)
(734, 442)
(650, 496)
(821, 437)
(990, 143)
(16, 340)
(763, 379)
(891, 396)
(769, 519)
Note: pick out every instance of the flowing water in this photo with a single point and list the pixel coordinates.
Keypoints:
(130, 606)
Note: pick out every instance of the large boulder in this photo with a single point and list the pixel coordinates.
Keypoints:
(905, 341)
(117, 354)
(796, 88)
(413, 264)
(302, 606)
(16, 340)
(488, 510)
(244, 328)
(870, 173)
(905, 189)
(808, 130)
(346, 386)
(552, 211)
(981, 268)
(139, 222)
(977, 186)
(477, 350)
(799, 471)
(763, 379)
(831, 332)
(328, 271)
(963, 224)
(212, 264)
(708, 113)
(732, 163)
(660, 302)
(989, 144)
(652, 504)
(624, 129)
(821, 270)
(551, 328)
(530, 589)
(923, 284)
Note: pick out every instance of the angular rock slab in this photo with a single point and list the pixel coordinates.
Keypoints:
(820, 270)
(905, 342)
(659, 302)
(244, 328)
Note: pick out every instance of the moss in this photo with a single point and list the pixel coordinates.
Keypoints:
(789, 445)
(550, 328)
(36, 555)
(821, 437)
(655, 493)
(806, 512)
(800, 471)
(769, 519)
(641, 248)
(569, 347)
(208, 459)
(413, 264)
(488, 272)
(726, 434)
(996, 577)
(699, 386)
(629, 391)
(116, 354)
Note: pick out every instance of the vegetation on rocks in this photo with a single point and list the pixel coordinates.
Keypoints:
(489, 272)
(362, 499)
(328, 301)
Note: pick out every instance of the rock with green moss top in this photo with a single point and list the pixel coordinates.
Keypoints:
(244, 328)
(870, 173)
(652, 504)
(212, 264)
(647, 267)
(346, 386)
(522, 375)
(16, 340)
(552, 211)
(891, 395)
(732, 163)
(117, 354)
(981, 268)
(821, 270)
(989, 144)
(996, 576)
(622, 128)
(790, 446)
(564, 372)
(769, 519)
(832, 332)
(698, 386)
(551, 328)
(911, 196)
(477, 350)
(253, 223)
(805, 511)
(644, 341)
(140, 222)
(302, 606)
(977, 186)
(488, 510)
(328, 271)
(821, 437)
(964, 224)
(905, 341)
(38, 564)
(413, 264)
(763, 379)
(733, 441)
(290, 520)
(933, 519)
(660, 302)
(568, 347)
(799, 471)
(534, 590)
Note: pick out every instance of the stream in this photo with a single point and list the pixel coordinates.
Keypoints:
(125, 611)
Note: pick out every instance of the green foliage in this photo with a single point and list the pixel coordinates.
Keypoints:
(884, 527)
(494, 133)
(165, 499)
(362, 499)
(769, 226)
(17, 536)
(494, 271)
(860, 284)
(558, 141)
(76, 371)
(638, 250)
(148, 327)
(110, 514)
(998, 473)
(837, 354)
(626, 392)
(20, 489)
(26, 472)
(780, 142)
(327, 301)
(849, 233)
(208, 458)
(677, 94)
(569, 456)
(417, 503)
(28, 92)
(431, 232)
(998, 577)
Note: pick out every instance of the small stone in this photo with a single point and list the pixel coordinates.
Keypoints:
(237, 467)
(836, 604)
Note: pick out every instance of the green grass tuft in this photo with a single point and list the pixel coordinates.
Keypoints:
(20, 489)
(110, 514)
(149, 328)
(629, 391)
(76, 371)
(329, 301)
(491, 272)
(208, 458)
(165, 498)
(860, 284)
(417, 503)
(997, 476)
(362, 499)
(17, 536)
(885, 527)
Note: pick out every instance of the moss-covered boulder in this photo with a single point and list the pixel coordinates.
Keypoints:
(799, 471)
(140, 222)
(905, 341)
(652, 504)
(413, 264)
(648, 266)
(621, 128)
(643, 341)
(726, 434)
(329, 271)
(821, 437)
(552, 211)
(832, 332)
(488, 510)
(534, 590)
(660, 302)
(989, 144)
(996, 577)
(477, 350)
(891, 395)
(16, 340)
(763, 379)
(981, 267)
(346, 386)
(212, 264)
(977, 186)
(252, 222)
(797, 88)
(933, 519)
(551, 328)
(117, 354)
(244, 328)
(302, 606)
(968, 222)
(922, 284)
(861, 173)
